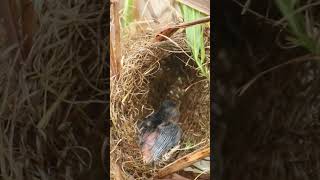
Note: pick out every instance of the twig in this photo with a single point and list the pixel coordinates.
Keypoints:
(169, 31)
(296, 60)
(246, 7)
(195, 22)
(184, 162)
(117, 43)
(113, 63)
(271, 21)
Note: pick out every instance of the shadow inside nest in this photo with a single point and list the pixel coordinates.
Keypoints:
(180, 82)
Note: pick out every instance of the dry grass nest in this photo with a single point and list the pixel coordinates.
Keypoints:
(153, 72)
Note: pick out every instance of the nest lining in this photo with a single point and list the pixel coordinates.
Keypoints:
(151, 73)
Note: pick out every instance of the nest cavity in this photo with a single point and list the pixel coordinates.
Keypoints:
(151, 73)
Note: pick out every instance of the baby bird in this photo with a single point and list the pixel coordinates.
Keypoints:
(159, 132)
(168, 110)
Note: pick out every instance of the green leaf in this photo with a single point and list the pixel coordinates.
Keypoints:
(128, 12)
(195, 38)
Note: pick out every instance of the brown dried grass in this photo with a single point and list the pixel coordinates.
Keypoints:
(150, 73)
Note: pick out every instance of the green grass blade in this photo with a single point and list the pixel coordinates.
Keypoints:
(128, 12)
(195, 38)
(297, 25)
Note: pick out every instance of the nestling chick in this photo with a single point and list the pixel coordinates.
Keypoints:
(159, 132)
(168, 111)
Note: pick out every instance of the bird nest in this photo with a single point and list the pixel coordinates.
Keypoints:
(152, 72)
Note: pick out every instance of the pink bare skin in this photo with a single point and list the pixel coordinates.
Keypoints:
(149, 140)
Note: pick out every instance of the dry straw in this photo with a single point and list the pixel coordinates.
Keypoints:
(150, 73)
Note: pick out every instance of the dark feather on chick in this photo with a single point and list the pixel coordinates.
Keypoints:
(168, 111)
(158, 133)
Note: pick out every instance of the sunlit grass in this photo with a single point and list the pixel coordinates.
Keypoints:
(128, 12)
(195, 38)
